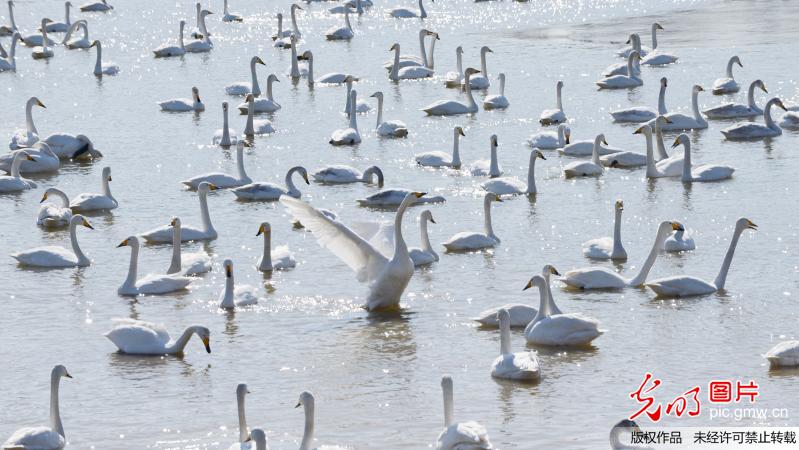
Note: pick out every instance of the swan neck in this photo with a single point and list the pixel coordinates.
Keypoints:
(430, 63)
(256, 89)
(11, 16)
(483, 64)
(98, 63)
(651, 169)
(225, 128)
(310, 71)
(379, 110)
(729, 67)
(269, 82)
(243, 434)
(659, 139)
(400, 247)
(472, 104)
(292, 189)
(29, 114)
(66, 14)
(425, 238)
(227, 295)
(208, 227)
(353, 113)
(16, 163)
(422, 12)
(307, 434)
(686, 164)
(180, 344)
(182, 46)
(595, 151)
(422, 48)
(559, 98)
(531, 189)
(448, 404)
(502, 86)
(654, 37)
(489, 229)
(494, 167)
(347, 19)
(240, 158)
(55, 411)
(266, 261)
(133, 267)
(750, 96)
(107, 188)
(617, 245)
(767, 116)
(294, 21)
(695, 106)
(295, 68)
(721, 278)
(73, 239)
(662, 101)
(176, 263)
(661, 236)
(504, 337)
(543, 307)
(394, 75)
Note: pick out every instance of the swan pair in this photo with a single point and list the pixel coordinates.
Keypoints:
(203, 44)
(665, 166)
(749, 130)
(621, 68)
(408, 71)
(151, 284)
(49, 437)
(680, 121)
(480, 81)
(41, 50)
(186, 264)
(454, 107)
(514, 186)
(637, 114)
(551, 327)
(283, 37)
(442, 159)
(184, 104)
(588, 168)
(137, 337)
(255, 127)
(57, 257)
(164, 234)
(78, 42)
(425, 59)
(657, 57)
(167, 50)
(472, 240)
(225, 136)
(381, 236)
(266, 191)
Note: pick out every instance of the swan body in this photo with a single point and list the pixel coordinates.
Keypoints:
(459, 435)
(727, 85)
(553, 328)
(551, 140)
(472, 240)
(731, 110)
(679, 242)
(294, 31)
(263, 105)
(40, 42)
(101, 6)
(403, 13)
(229, 16)
(184, 104)
(623, 159)
(587, 168)
(657, 57)
(395, 197)
(343, 33)
(497, 101)
(341, 174)
(44, 160)
(167, 50)
(520, 314)
(488, 167)
(30, 135)
(679, 121)
(703, 173)
(514, 186)
(455, 79)
(522, 366)
(186, 263)
(389, 128)
(279, 259)
(52, 215)
(68, 146)
(225, 136)
(350, 135)
(50, 437)
(749, 130)
(638, 114)
(623, 81)
(554, 116)
(57, 257)
(454, 107)
(8, 63)
(77, 43)
(442, 159)
(96, 202)
(15, 182)
(608, 247)
(236, 296)
(480, 80)
(687, 286)
(255, 127)
(271, 191)
(149, 284)
(137, 337)
(243, 88)
(585, 148)
(101, 68)
(790, 120)
(162, 235)
(784, 354)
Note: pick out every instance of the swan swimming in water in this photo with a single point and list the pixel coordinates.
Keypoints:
(137, 337)
(184, 104)
(328, 78)
(45, 160)
(236, 296)
(705, 172)
(686, 286)
(423, 59)
(394, 197)
(349, 135)
(279, 259)
(443, 159)
(308, 404)
(149, 284)
(784, 354)
(731, 110)
(242, 87)
(514, 186)
(263, 105)
(194, 263)
(9, 30)
(667, 166)
(101, 68)
(404, 13)
(623, 81)
(472, 240)
(634, 44)
(680, 121)
(679, 241)
(77, 43)
(552, 327)
(498, 101)
(244, 433)
(657, 57)
(38, 41)
(9, 63)
(459, 435)
(58, 257)
(271, 191)
(163, 235)
(522, 366)
(554, 116)
(455, 79)
(608, 247)
(727, 85)
(15, 182)
(52, 215)
(30, 135)
(488, 167)
(520, 314)
(637, 114)
(389, 128)
(551, 140)
(96, 202)
(223, 180)
(229, 16)
(584, 147)
(480, 81)
(341, 174)
(203, 44)
(591, 168)
(454, 107)
(790, 120)
(749, 130)
(343, 33)
(255, 127)
(409, 72)
(101, 6)
(167, 50)
(621, 68)
(225, 136)
(43, 50)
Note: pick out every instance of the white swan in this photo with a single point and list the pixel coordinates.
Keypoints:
(77, 43)
(554, 116)
(228, 16)
(328, 78)
(408, 72)
(279, 259)
(603, 278)
(223, 180)
(424, 255)
(389, 128)
(679, 241)
(608, 247)
(584, 147)
(520, 314)
(39, 40)
(52, 215)
(472, 240)
(271, 191)
(96, 202)
(514, 186)
(387, 278)
(361, 107)
(343, 33)
(253, 127)
(749, 130)
(30, 135)
(68, 146)
(395, 197)
(625, 158)
(101, 68)
(294, 31)
(657, 57)
(225, 136)
(15, 182)
(455, 79)
(236, 296)
(638, 114)
(194, 263)
(341, 174)
(50, 437)
(349, 135)
(45, 160)
(488, 167)
(634, 44)
(591, 168)
(666, 167)
(52, 256)
(623, 81)
(184, 104)
(621, 68)
(198, 32)
(459, 435)
(263, 105)
(480, 81)
(443, 159)
(381, 235)
(43, 50)
(151, 283)
(244, 433)
(454, 107)
(552, 327)
(137, 337)
(790, 120)
(680, 121)
(9, 63)
(498, 101)
(784, 354)
(422, 60)
(242, 87)
(162, 235)
(685, 286)
(522, 366)
(101, 6)
(727, 85)
(308, 404)
(167, 50)
(731, 110)
(705, 172)
(203, 44)
(404, 13)
(551, 140)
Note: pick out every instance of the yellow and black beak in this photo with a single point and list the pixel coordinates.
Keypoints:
(751, 225)
(538, 154)
(30, 158)
(639, 130)
(528, 285)
(123, 243)
(87, 224)
(305, 177)
(212, 186)
(298, 405)
(419, 194)
(44, 197)
(260, 61)
(109, 178)
(207, 344)
(605, 141)
(172, 223)
(554, 271)
(67, 375)
(677, 226)
(497, 198)
(781, 105)
(38, 102)
(229, 271)
(261, 230)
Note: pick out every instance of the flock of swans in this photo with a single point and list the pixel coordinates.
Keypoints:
(378, 252)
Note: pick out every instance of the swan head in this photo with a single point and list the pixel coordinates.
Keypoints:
(295, 7)
(614, 163)
(45, 21)
(657, 26)
(460, 131)
(195, 93)
(761, 85)
(48, 191)
(377, 95)
(131, 241)
(484, 49)
(491, 197)
(204, 334)
(264, 229)
(249, 98)
(646, 130)
(600, 138)
(619, 205)
(539, 155)
(567, 132)
(205, 12)
(664, 82)
(631, 39)
(536, 280)
(206, 187)
(459, 50)
(662, 120)
(698, 88)
(426, 215)
(96, 43)
(559, 85)
(374, 171)
(736, 60)
(744, 223)
(36, 102)
(306, 56)
(272, 77)
(550, 270)
(778, 103)
(257, 435)
(224, 106)
(306, 399)
(175, 222)
(503, 316)
(279, 16)
(471, 71)
(242, 389)
(434, 34)
(672, 225)
(77, 219)
(258, 60)
(107, 173)
(60, 371)
(634, 55)
(395, 47)
(446, 382)
(303, 173)
(228, 265)
(494, 140)
(682, 139)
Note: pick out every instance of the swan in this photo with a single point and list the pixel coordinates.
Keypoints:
(634, 45)
(604, 278)
(488, 167)
(257, 436)
(705, 172)
(608, 247)
(423, 60)
(480, 81)
(454, 107)
(424, 255)
(40, 39)
(137, 337)
(294, 70)
(621, 68)
(387, 277)
(341, 174)
(283, 37)
(242, 87)
(96, 202)
(619, 428)
(554, 116)
(198, 32)
(295, 31)
(623, 81)
(151, 283)
(749, 130)
(225, 136)
(522, 366)
(51, 437)
(455, 79)
(101, 6)
(67, 146)
(442, 159)
(584, 147)
(77, 43)
(343, 33)
(162, 235)
(184, 104)
(279, 259)
(389, 128)
(228, 16)
(591, 168)
(409, 72)
(657, 57)
(52, 256)
(625, 158)
(271, 191)
(167, 50)
(685, 286)
(727, 85)
(30, 135)
(308, 404)
(43, 50)
(343, 9)
(101, 68)
(667, 167)
(680, 121)
(203, 44)
(253, 127)
(233, 296)
(244, 434)
(361, 107)
(461, 435)
(472, 240)
(395, 197)
(790, 120)
(9, 63)
(554, 328)
(14, 182)
(328, 78)
(514, 186)
(784, 354)
(349, 135)
(497, 101)
(550, 140)
(223, 180)
(404, 13)
(9, 30)
(520, 313)
(45, 160)
(263, 105)
(52, 215)
(194, 263)
(679, 241)
(638, 114)
(731, 110)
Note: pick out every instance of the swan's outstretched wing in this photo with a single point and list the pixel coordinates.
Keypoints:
(360, 255)
(379, 234)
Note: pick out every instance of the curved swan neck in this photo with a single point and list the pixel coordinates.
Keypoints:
(422, 12)
(531, 189)
(294, 21)
(489, 229)
(180, 344)
(98, 63)
(73, 239)
(686, 164)
(55, 411)
(208, 227)
(400, 247)
(256, 89)
(721, 278)
(269, 82)
(651, 169)
(176, 264)
(595, 151)
(307, 434)
(483, 65)
(654, 36)
(180, 41)
(394, 75)
(750, 96)
(61, 196)
(425, 238)
(29, 113)
(13, 51)
(543, 306)
(347, 19)
(730, 63)
(292, 189)
(133, 267)
(662, 100)
(243, 434)
(767, 115)
(662, 234)
(204, 29)
(618, 248)
(472, 104)
(16, 163)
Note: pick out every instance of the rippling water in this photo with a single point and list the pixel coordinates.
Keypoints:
(377, 381)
